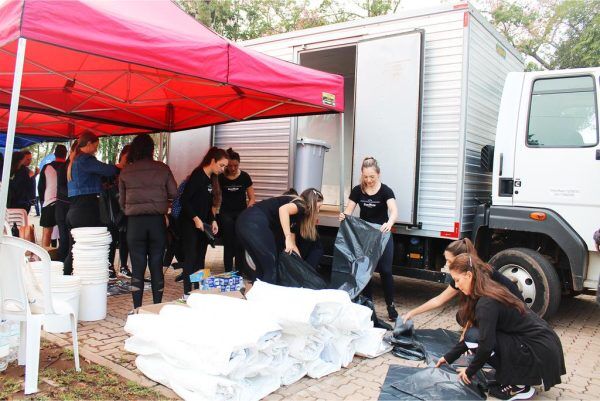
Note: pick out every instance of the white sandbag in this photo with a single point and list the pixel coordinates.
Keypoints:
(353, 317)
(340, 350)
(140, 346)
(370, 343)
(319, 368)
(145, 326)
(303, 348)
(325, 313)
(292, 371)
(188, 384)
(259, 387)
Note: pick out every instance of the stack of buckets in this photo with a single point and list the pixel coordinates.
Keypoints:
(90, 264)
(63, 288)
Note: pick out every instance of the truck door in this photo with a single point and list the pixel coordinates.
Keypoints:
(557, 157)
(389, 75)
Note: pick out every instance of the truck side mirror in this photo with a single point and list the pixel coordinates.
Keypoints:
(487, 158)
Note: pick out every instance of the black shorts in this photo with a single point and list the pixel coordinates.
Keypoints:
(48, 218)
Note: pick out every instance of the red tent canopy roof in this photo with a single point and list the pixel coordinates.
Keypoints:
(129, 66)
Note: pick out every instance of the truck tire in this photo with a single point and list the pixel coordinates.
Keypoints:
(534, 275)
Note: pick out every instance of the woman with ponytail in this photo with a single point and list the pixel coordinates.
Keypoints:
(84, 176)
(377, 205)
(237, 194)
(268, 228)
(502, 331)
(201, 193)
(454, 249)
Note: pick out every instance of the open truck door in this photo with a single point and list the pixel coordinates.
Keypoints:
(389, 81)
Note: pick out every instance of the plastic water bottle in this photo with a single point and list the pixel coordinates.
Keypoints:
(13, 341)
(14, 230)
(4, 345)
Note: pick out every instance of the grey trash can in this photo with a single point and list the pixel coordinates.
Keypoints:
(310, 157)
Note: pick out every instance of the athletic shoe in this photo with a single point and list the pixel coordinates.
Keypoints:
(179, 277)
(125, 271)
(512, 392)
(111, 274)
(392, 313)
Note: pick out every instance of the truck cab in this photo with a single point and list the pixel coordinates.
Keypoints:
(545, 205)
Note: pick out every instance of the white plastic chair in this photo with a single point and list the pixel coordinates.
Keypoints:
(19, 302)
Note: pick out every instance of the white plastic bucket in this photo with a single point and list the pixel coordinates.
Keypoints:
(92, 301)
(66, 289)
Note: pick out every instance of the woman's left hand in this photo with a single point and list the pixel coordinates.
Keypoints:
(290, 245)
(215, 228)
(386, 227)
(462, 375)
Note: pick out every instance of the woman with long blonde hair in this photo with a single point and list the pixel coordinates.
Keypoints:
(377, 205)
(272, 225)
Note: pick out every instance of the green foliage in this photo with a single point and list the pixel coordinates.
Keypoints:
(556, 34)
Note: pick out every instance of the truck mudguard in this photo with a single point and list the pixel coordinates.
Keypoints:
(554, 226)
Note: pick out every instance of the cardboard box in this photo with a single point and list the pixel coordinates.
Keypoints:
(155, 308)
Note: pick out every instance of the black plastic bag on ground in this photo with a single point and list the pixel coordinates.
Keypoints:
(293, 271)
(410, 383)
(429, 344)
(358, 247)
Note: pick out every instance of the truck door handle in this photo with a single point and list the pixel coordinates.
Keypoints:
(597, 154)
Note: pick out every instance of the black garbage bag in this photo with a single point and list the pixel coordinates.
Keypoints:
(377, 323)
(430, 344)
(410, 383)
(358, 247)
(293, 271)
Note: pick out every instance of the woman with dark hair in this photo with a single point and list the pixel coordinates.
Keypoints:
(145, 188)
(503, 332)
(200, 195)
(20, 184)
(84, 176)
(237, 194)
(377, 205)
(118, 232)
(454, 249)
(268, 228)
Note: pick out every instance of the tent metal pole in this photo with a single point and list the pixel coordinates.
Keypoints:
(12, 125)
(342, 163)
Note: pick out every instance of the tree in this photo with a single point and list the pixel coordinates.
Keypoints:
(556, 34)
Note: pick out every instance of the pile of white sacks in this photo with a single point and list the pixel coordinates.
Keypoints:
(224, 348)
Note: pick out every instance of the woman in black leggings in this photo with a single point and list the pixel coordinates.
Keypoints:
(236, 186)
(377, 205)
(84, 176)
(267, 228)
(197, 215)
(145, 188)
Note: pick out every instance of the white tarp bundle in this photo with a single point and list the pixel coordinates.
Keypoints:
(223, 348)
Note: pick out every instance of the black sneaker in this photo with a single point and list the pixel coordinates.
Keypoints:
(512, 392)
(125, 271)
(111, 274)
(392, 313)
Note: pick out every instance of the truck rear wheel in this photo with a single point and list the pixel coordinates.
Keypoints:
(534, 275)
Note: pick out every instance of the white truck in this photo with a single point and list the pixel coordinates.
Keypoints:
(423, 95)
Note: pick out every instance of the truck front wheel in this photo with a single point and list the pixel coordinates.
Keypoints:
(534, 275)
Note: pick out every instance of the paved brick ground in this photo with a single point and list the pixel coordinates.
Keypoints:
(577, 323)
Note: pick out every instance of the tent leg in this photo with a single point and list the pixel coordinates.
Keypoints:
(12, 125)
(342, 164)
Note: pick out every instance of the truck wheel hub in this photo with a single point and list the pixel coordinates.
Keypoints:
(523, 280)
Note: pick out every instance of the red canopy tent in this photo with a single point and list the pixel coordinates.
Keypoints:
(125, 67)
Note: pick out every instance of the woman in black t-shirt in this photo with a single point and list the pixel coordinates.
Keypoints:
(235, 185)
(377, 205)
(266, 229)
(197, 202)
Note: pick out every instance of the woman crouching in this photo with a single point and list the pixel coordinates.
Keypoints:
(503, 332)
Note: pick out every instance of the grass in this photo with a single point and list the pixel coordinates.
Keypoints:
(94, 382)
